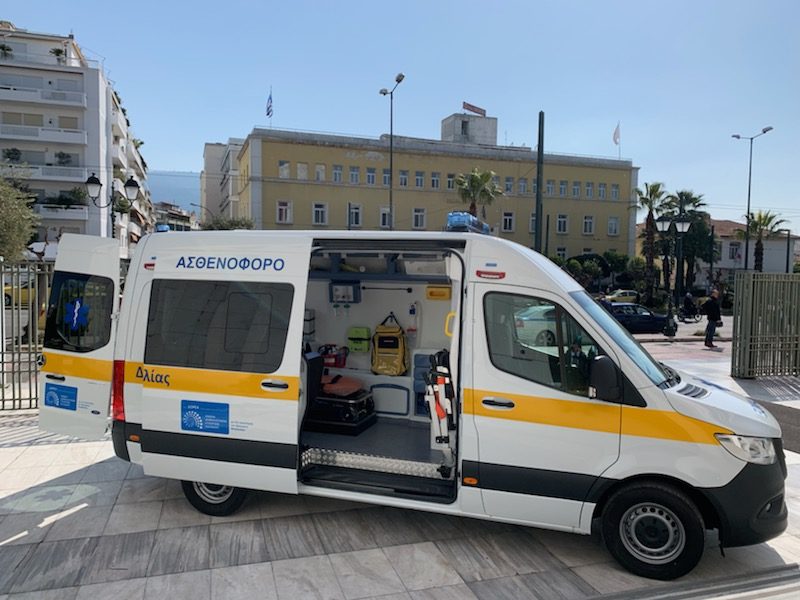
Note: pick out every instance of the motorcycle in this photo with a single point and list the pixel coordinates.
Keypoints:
(685, 316)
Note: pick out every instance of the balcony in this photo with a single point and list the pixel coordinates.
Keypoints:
(52, 212)
(119, 156)
(17, 94)
(135, 229)
(43, 134)
(119, 125)
(44, 172)
(49, 59)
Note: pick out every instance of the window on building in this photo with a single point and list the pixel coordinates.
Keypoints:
(403, 178)
(419, 179)
(370, 175)
(509, 185)
(562, 188)
(385, 218)
(496, 180)
(561, 224)
(435, 180)
(224, 325)
(15, 118)
(576, 189)
(561, 252)
(302, 171)
(283, 169)
(418, 218)
(386, 174)
(67, 122)
(615, 191)
(355, 215)
(451, 181)
(613, 225)
(320, 173)
(587, 250)
(522, 185)
(551, 187)
(532, 223)
(508, 222)
(601, 191)
(355, 174)
(283, 212)
(319, 213)
(337, 173)
(535, 186)
(588, 225)
(735, 251)
(589, 189)
(465, 128)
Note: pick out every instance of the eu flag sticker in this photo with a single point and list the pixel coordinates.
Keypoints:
(208, 417)
(61, 396)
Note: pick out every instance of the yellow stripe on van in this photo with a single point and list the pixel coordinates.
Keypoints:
(641, 422)
(77, 366)
(210, 381)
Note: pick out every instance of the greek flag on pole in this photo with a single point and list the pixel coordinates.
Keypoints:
(269, 105)
(616, 135)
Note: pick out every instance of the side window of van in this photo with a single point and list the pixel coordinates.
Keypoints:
(224, 325)
(79, 312)
(537, 340)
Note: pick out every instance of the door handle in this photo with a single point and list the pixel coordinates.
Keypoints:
(55, 377)
(500, 403)
(270, 384)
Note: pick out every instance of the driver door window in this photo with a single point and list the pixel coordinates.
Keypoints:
(537, 340)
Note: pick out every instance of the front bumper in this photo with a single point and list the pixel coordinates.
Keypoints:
(752, 507)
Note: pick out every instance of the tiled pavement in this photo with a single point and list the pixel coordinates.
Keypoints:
(76, 522)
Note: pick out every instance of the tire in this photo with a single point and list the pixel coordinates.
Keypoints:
(212, 499)
(654, 530)
(697, 317)
(545, 338)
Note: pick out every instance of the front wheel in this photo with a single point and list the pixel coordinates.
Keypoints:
(653, 530)
(212, 499)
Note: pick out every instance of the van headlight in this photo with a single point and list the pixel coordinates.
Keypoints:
(758, 450)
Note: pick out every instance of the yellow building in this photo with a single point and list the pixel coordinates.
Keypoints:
(296, 180)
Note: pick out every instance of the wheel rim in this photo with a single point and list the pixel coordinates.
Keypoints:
(212, 493)
(652, 533)
(545, 338)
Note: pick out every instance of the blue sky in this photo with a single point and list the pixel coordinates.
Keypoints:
(681, 77)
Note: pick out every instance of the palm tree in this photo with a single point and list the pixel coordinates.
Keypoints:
(689, 203)
(477, 187)
(651, 198)
(760, 224)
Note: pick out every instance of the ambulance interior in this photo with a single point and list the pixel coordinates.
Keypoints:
(365, 425)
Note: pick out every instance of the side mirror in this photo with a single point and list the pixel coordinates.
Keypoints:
(604, 380)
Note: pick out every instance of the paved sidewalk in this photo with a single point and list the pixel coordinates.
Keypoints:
(76, 522)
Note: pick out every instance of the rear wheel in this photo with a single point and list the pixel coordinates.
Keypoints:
(546, 338)
(653, 530)
(213, 499)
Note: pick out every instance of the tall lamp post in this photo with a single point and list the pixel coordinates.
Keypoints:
(663, 224)
(749, 185)
(94, 186)
(390, 93)
(205, 208)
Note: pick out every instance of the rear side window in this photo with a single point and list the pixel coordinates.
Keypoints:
(79, 312)
(224, 325)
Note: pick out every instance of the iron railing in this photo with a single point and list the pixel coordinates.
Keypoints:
(766, 325)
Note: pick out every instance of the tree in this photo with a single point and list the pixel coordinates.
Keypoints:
(616, 262)
(17, 221)
(591, 273)
(651, 199)
(761, 224)
(575, 269)
(218, 222)
(477, 187)
(695, 240)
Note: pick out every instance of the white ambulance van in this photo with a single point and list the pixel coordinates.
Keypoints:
(545, 413)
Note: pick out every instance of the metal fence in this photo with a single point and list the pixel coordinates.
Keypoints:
(766, 325)
(26, 288)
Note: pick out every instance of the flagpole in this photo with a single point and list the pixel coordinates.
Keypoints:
(270, 112)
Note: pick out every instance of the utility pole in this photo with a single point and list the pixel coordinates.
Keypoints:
(537, 236)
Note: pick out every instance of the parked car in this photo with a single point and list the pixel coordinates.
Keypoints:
(536, 325)
(638, 319)
(18, 295)
(623, 296)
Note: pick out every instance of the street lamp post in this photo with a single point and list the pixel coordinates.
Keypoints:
(94, 187)
(205, 208)
(749, 185)
(682, 223)
(390, 93)
(663, 224)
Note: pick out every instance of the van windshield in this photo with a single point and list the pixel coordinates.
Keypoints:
(621, 336)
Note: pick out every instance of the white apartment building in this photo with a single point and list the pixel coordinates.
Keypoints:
(219, 181)
(61, 121)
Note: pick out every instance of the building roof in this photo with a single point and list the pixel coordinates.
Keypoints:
(723, 228)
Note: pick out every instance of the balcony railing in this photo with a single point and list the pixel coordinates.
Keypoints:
(45, 172)
(49, 59)
(19, 94)
(62, 213)
(44, 134)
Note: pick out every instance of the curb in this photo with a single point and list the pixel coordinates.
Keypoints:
(680, 339)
